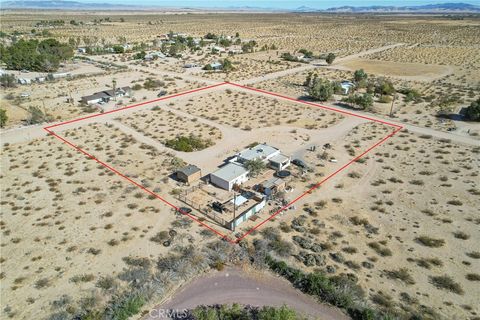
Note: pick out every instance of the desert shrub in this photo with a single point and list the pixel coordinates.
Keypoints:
(446, 283)
(137, 262)
(82, 278)
(380, 249)
(461, 235)
(455, 202)
(126, 306)
(473, 254)
(281, 247)
(188, 144)
(106, 283)
(42, 283)
(473, 277)
(401, 274)
(160, 237)
(430, 242)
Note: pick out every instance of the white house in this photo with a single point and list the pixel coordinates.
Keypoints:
(24, 81)
(228, 175)
(268, 154)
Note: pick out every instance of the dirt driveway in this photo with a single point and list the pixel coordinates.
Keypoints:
(233, 285)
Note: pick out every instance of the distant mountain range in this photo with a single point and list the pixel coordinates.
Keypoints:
(75, 5)
(434, 8)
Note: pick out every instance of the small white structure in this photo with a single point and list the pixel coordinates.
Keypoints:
(346, 86)
(81, 50)
(24, 81)
(229, 175)
(218, 49)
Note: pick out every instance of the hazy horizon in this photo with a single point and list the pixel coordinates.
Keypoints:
(281, 4)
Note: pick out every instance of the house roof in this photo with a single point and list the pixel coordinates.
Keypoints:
(189, 170)
(230, 172)
(96, 96)
(261, 151)
(279, 158)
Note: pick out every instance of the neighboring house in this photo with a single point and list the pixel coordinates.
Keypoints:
(60, 75)
(191, 65)
(82, 50)
(218, 49)
(189, 174)
(105, 96)
(229, 175)
(216, 66)
(96, 98)
(346, 86)
(154, 55)
(24, 81)
(235, 50)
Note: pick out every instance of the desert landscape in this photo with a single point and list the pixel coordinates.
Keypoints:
(354, 137)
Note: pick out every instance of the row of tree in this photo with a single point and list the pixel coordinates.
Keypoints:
(34, 55)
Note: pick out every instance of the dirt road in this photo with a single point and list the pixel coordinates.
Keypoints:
(234, 285)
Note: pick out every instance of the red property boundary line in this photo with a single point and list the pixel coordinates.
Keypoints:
(223, 236)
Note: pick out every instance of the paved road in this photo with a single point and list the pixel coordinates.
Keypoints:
(257, 289)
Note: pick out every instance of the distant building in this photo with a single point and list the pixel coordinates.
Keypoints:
(191, 65)
(189, 174)
(24, 81)
(82, 50)
(216, 66)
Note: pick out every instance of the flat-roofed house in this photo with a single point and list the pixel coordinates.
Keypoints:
(229, 175)
(268, 154)
(189, 174)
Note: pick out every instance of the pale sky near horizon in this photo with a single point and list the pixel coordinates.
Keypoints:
(279, 4)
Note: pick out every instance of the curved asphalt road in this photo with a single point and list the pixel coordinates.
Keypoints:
(233, 285)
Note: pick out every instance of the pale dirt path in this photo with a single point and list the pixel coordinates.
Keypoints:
(233, 285)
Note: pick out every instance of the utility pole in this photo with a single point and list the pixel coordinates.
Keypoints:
(114, 85)
(391, 107)
(235, 189)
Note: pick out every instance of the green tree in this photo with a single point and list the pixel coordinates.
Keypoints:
(330, 58)
(118, 49)
(282, 313)
(384, 87)
(227, 65)
(363, 101)
(473, 111)
(3, 117)
(44, 56)
(36, 115)
(254, 167)
(321, 89)
(7, 80)
(360, 75)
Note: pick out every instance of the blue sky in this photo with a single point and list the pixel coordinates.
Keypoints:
(280, 4)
